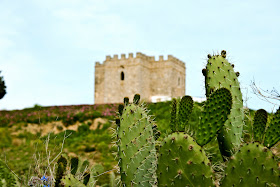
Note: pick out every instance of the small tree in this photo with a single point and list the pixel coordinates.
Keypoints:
(2, 87)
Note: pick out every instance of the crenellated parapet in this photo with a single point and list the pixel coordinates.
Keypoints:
(142, 57)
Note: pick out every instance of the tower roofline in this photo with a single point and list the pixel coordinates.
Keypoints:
(142, 56)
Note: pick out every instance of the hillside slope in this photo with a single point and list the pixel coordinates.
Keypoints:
(29, 138)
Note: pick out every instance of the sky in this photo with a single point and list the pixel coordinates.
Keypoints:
(48, 48)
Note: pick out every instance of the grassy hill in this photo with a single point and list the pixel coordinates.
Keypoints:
(32, 137)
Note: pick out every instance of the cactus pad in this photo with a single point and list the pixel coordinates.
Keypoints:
(272, 135)
(215, 113)
(184, 113)
(136, 147)
(74, 165)
(182, 162)
(259, 125)
(62, 160)
(70, 181)
(219, 73)
(173, 118)
(252, 165)
(136, 99)
(59, 173)
(120, 109)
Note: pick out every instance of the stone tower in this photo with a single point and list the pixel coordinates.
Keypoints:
(123, 77)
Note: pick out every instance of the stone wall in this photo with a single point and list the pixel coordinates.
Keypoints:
(153, 80)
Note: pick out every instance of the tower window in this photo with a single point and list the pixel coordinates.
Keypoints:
(122, 75)
(178, 81)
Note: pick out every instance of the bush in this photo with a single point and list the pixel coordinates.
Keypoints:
(82, 129)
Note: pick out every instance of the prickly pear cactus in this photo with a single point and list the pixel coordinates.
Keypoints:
(173, 119)
(136, 147)
(74, 165)
(60, 171)
(70, 180)
(215, 113)
(219, 73)
(181, 110)
(259, 125)
(185, 110)
(59, 174)
(84, 175)
(182, 162)
(62, 159)
(252, 165)
(272, 135)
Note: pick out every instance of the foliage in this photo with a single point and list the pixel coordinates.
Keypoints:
(2, 87)
(68, 114)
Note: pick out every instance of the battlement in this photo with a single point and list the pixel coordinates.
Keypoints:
(142, 56)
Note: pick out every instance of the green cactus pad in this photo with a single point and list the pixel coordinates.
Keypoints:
(184, 113)
(181, 162)
(252, 165)
(215, 113)
(86, 178)
(74, 165)
(220, 74)
(272, 135)
(59, 173)
(63, 160)
(136, 99)
(84, 166)
(97, 169)
(120, 109)
(259, 125)
(70, 181)
(136, 147)
(173, 119)
(156, 132)
(126, 101)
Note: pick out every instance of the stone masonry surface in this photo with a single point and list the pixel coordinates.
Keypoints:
(155, 81)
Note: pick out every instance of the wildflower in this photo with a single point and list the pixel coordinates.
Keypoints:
(45, 181)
